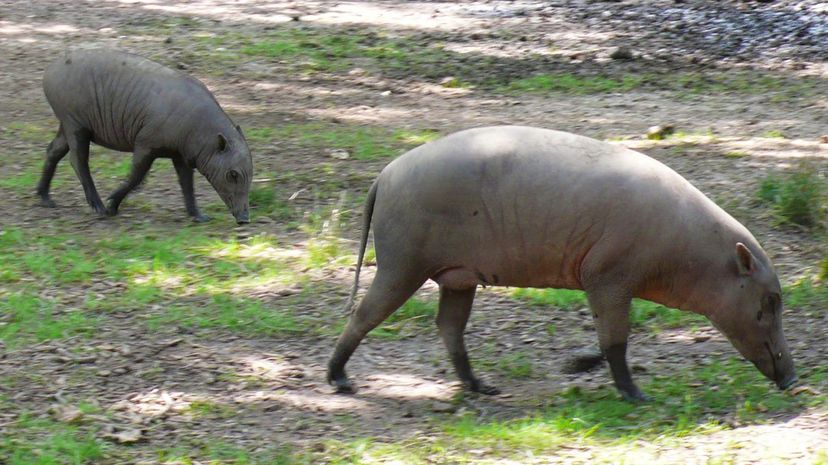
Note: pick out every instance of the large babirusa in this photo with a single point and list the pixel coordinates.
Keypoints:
(528, 207)
(128, 103)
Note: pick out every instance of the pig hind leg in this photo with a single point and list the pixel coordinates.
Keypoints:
(388, 291)
(611, 311)
(58, 149)
(78, 140)
(453, 314)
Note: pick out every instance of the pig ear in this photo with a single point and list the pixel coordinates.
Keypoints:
(744, 260)
(222, 143)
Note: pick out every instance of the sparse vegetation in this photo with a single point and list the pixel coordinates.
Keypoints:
(643, 313)
(797, 198)
(144, 310)
(570, 83)
(37, 441)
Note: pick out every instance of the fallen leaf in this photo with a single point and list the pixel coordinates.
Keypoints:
(127, 436)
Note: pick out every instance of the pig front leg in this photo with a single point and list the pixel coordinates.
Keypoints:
(185, 179)
(611, 311)
(142, 160)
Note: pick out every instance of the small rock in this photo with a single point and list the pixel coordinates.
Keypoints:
(442, 407)
(168, 40)
(823, 139)
(339, 154)
(66, 413)
(385, 93)
(701, 338)
(450, 82)
(180, 65)
(356, 72)
(104, 373)
(660, 132)
(622, 53)
(127, 436)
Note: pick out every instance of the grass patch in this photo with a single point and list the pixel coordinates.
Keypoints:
(34, 441)
(361, 142)
(807, 294)
(574, 84)
(774, 134)
(514, 365)
(210, 409)
(266, 200)
(26, 318)
(797, 198)
(643, 314)
(218, 452)
(696, 400)
(415, 315)
(678, 409)
(234, 314)
(31, 132)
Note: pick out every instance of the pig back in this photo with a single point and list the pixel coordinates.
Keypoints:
(525, 206)
(115, 95)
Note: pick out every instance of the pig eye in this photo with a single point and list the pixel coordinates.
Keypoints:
(232, 176)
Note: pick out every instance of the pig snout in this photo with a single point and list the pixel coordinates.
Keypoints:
(242, 217)
(783, 373)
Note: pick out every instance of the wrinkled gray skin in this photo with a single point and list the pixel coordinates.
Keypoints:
(528, 207)
(128, 103)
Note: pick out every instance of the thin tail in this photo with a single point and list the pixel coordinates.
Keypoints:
(367, 213)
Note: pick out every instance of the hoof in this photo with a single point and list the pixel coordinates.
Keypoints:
(47, 203)
(635, 396)
(341, 384)
(483, 388)
(101, 210)
(201, 218)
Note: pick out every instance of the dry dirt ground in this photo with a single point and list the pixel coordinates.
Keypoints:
(266, 391)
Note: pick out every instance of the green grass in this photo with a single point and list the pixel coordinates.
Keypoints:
(205, 277)
(643, 313)
(514, 365)
(212, 451)
(571, 83)
(304, 50)
(774, 134)
(26, 318)
(238, 315)
(806, 294)
(210, 409)
(33, 132)
(34, 441)
(414, 316)
(361, 142)
(267, 200)
(696, 400)
(799, 197)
